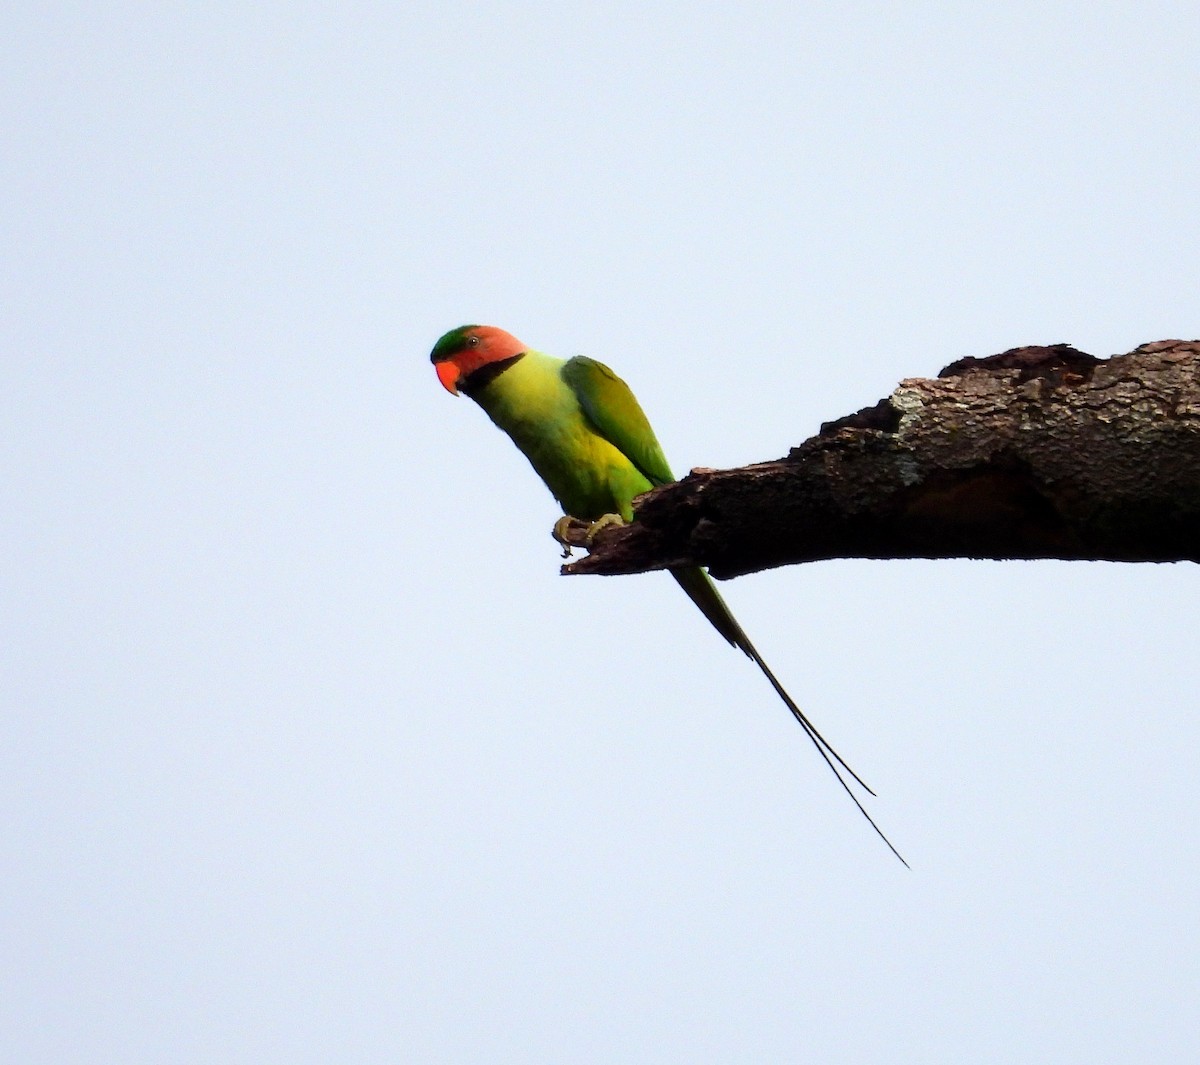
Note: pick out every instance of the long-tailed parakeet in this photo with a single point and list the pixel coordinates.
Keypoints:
(586, 435)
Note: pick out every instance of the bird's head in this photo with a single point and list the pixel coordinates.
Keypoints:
(468, 348)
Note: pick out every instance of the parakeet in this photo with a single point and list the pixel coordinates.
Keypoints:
(587, 437)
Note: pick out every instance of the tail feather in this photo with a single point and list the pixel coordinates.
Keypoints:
(701, 590)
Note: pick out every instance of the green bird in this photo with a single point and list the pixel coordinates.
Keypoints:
(587, 437)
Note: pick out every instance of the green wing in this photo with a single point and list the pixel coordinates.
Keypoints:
(617, 416)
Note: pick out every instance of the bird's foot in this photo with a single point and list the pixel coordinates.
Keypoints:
(563, 525)
(602, 522)
(560, 533)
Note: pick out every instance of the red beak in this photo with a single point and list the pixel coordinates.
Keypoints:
(448, 373)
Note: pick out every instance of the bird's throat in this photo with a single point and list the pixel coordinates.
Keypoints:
(477, 380)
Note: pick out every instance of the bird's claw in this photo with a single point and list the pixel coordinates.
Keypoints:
(594, 529)
(560, 534)
(602, 522)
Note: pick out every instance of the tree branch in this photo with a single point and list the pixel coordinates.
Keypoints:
(1040, 452)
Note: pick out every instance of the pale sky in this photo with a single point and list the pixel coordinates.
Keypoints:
(307, 753)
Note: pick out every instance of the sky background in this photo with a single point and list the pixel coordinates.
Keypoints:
(307, 752)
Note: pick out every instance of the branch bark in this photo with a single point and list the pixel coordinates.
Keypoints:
(1039, 452)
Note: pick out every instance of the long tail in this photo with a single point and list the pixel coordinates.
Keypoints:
(704, 594)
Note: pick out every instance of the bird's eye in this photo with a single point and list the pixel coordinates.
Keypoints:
(474, 342)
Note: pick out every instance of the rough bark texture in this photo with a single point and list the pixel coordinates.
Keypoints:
(1040, 452)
